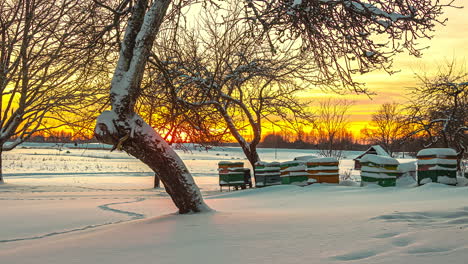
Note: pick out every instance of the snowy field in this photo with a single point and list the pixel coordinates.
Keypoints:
(94, 206)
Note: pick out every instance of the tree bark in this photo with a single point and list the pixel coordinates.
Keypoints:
(127, 131)
(251, 154)
(157, 181)
(149, 147)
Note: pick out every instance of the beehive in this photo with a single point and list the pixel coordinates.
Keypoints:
(323, 170)
(267, 174)
(294, 172)
(379, 170)
(437, 165)
(231, 173)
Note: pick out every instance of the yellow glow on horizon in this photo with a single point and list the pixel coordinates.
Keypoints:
(449, 42)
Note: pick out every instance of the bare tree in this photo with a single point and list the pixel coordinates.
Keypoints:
(439, 107)
(224, 68)
(338, 35)
(388, 127)
(124, 129)
(347, 37)
(45, 63)
(175, 123)
(332, 119)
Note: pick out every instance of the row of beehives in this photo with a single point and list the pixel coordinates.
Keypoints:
(299, 172)
(434, 165)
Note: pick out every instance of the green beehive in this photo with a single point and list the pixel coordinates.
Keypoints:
(437, 165)
(267, 174)
(233, 174)
(379, 170)
(294, 172)
(232, 179)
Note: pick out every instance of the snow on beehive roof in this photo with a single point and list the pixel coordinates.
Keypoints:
(375, 149)
(308, 157)
(379, 159)
(380, 151)
(437, 152)
(323, 160)
(292, 162)
(268, 164)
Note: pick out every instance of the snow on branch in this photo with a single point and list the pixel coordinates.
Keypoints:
(342, 34)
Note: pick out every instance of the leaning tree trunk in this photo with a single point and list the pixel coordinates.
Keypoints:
(157, 181)
(142, 142)
(251, 154)
(127, 131)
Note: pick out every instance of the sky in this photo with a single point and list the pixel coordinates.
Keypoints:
(448, 42)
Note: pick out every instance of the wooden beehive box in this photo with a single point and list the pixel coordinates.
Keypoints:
(294, 172)
(437, 165)
(323, 170)
(267, 174)
(379, 170)
(231, 173)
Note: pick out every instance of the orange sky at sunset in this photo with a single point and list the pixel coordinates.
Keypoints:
(449, 42)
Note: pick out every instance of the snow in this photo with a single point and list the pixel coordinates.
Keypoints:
(437, 161)
(318, 168)
(446, 180)
(323, 160)
(106, 118)
(438, 152)
(311, 181)
(305, 158)
(296, 3)
(383, 160)
(406, 181)
(324, 174)
(369, 53)
(296, 168)
(366, 7)
(426, 180)
(380, 151)
(61, 207)
(377, 175)
(405, 167)
(442, 168)
(377, 169)
(292, 162)
(269, 173)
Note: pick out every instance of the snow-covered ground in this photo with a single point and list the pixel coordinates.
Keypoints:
(94, 206)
